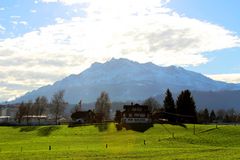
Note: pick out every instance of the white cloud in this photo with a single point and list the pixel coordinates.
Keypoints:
(17, 22)
(130, 29)
(2, 9)
(14, 22)
(25, 23)
(230, 78)
(2, 29)
(72, 2)
(15, 17)
(49, 1)
(33, 11)
(7, 94)
(59, 20)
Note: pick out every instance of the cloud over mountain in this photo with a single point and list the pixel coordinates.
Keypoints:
(130, 29)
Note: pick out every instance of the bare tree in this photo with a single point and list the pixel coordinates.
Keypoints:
(221, 113)
(28, 111)
(58, 105)
(103, 106)
(152, 104)
(77, 107)
(21, 112)
(40, 107)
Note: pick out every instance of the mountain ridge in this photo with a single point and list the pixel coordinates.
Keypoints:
(126, 80)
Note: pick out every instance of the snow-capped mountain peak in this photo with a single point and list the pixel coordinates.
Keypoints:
(128, 80)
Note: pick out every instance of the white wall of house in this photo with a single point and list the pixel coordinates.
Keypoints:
(136, 120)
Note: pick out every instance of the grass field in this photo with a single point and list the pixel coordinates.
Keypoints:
(99, 142)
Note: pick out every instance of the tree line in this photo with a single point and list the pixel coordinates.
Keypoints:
(56, 107)
(41, 107)
(182, 110)
(219, 115)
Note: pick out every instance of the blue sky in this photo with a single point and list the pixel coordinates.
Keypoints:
(220, 12)
(42, 41)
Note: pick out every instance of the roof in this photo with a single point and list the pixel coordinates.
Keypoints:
(135, 106)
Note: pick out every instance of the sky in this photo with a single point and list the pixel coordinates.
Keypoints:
(42, 41)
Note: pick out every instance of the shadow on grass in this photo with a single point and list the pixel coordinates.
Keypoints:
(46, 131)
(173, 123)
(102, 127)
(78, 124)
(41, 131)
(140, 128)
(179, 124)
(28, 128)
(208, 130)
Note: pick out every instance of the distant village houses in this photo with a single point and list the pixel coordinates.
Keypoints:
(7, 113)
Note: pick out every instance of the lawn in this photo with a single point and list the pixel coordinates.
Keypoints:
(105, 142)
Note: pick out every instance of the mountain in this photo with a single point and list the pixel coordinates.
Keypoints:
(127, 80)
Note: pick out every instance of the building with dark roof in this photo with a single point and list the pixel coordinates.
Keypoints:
(136, 114)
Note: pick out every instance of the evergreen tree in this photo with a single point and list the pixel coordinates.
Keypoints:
(206, 115)
(200, 116)
(186, 107)
(212, 116)
(168, 103)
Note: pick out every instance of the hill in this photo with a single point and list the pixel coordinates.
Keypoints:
(127, 80)
(104, 142)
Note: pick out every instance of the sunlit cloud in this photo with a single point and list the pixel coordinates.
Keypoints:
(230, 78)
(15, 17)
(25, 23)
(2, 29)
(33, 11)
(130, 29)
(59, 20)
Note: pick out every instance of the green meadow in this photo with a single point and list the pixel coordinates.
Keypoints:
(105, 142)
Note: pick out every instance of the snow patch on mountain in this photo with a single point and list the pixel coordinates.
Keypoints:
(127, 80)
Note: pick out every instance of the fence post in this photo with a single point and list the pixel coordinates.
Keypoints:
(194, 129)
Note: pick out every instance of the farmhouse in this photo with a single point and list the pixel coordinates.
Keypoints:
(136, 114)
(83, 116)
